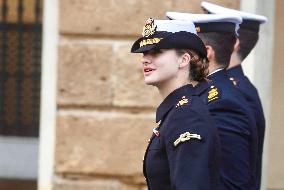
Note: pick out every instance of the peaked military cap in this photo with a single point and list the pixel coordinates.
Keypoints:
(250, 21)
(169, 34)
(209, 22)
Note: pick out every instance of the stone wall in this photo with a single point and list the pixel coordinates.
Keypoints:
(105, 111)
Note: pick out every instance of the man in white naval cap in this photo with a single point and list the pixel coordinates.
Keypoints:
(228, 106)
(247, 39)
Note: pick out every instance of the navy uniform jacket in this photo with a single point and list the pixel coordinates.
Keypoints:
(252, 97)
(237, 130)
(190, 164)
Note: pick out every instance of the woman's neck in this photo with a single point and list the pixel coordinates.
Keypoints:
(166, 89)
(193, 83)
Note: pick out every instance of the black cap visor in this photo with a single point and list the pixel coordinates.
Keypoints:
(138, 48)
(178, 40)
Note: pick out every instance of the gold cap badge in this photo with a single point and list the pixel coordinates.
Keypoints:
(149, 28)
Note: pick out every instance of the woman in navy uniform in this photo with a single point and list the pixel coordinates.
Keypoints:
(184, 151)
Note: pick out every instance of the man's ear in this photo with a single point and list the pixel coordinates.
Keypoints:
(237, 45)
(184, 60)
(210, 53)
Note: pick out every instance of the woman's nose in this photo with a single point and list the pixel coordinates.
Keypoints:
(145, 60)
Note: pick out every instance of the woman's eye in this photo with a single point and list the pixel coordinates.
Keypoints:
(156, 52)
(152, 52)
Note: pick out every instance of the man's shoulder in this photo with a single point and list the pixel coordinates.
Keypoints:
(221, 92)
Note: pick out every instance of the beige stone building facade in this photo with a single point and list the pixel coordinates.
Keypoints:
(104, 113)
(96, 112)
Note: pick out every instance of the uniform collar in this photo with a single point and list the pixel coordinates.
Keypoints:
(171, 100)
(218, 76)
(236, 71)
(201, 87)
(215, 71)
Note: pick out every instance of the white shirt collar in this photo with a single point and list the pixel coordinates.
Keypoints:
(215, 71)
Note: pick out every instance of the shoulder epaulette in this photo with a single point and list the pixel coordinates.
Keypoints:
(213, 94)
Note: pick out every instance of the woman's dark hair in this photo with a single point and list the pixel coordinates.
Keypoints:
(198, 69)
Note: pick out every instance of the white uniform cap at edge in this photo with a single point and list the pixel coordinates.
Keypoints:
(216, 9)
(207, 18)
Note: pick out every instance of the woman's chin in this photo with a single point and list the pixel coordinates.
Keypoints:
(150, 82)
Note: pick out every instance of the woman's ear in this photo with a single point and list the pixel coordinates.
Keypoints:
(210, 53)
(184, 60)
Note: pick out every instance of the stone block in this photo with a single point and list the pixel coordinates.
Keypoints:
(84, 73)
(103, 143)
(109, 17)
(194, 5)
(121, 18)
(98, 184)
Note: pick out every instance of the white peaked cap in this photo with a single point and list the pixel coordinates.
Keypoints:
(175, 26)
(216, 9)
(169, 34)
(204, 18)
(209, 19)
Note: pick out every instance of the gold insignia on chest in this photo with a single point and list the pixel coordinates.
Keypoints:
(186, 137)
(183, 100)
(233, 81)
(149, 28)
(213, 94)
